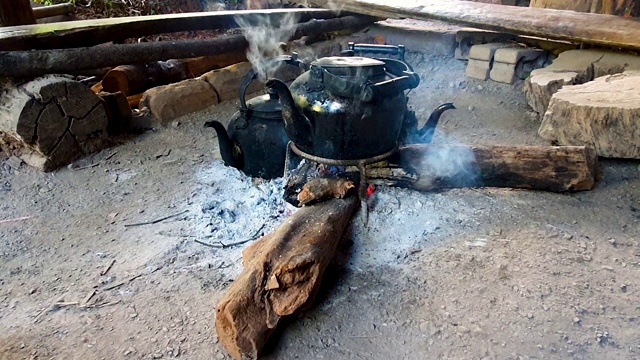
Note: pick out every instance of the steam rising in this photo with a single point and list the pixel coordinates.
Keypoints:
(265, 37)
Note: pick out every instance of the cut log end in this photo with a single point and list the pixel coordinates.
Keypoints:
(53, 119)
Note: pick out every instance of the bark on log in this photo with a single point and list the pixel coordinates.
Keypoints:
(53, 10)
(428, 167)
(55, 119)
(61, 61)
(135, 79)
(86, 33)
(16, 12)
(282, 274)
(607, 30)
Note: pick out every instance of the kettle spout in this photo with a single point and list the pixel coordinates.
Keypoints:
(296, 124)
(426, 133)
(229, 150)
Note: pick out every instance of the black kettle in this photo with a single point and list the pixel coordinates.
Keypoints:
(255, 141)
(352, 107)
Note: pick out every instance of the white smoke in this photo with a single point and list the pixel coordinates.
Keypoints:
(266, 36)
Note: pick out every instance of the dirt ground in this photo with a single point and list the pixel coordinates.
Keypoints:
(459, 274)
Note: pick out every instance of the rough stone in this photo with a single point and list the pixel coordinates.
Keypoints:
(602, 114)
(574, 67)
(169, 102)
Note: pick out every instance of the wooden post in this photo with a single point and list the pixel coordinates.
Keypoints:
(16, 12)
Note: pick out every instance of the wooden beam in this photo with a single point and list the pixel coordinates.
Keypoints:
(62, 61)
(606, 30)
(16, 12)
(93, 32)
(53, 10)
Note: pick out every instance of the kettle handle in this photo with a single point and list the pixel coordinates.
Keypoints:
(398, 50)
(252, 75)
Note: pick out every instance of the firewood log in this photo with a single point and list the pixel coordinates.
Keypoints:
(322, 188)
(55, 119)
(282, 273)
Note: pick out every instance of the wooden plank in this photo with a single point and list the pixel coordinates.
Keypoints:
(62, 61)
(53, 10)
(93, 32)
(606, 30)
(16, 12)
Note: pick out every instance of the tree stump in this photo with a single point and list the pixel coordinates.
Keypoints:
(602, 114)
(52, 120)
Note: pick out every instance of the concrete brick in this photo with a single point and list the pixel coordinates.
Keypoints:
(504, 73)
(485, 52)
(513, 55)
(478, 69)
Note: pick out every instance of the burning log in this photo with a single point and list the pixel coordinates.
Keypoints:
(428, 167)
(611, 31)
(134, 79)
(322, 188)
(62, 61)
(281, 276)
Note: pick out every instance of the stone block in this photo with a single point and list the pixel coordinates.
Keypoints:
(169, 102)
(226, 81)
(503, 72)
(478, 69)
(515, 55)
(602, 114)
(485, 52)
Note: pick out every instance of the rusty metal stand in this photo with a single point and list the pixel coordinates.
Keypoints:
(360, 164)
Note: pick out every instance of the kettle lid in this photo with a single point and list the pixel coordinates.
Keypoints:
(267, 105)
(351, 65)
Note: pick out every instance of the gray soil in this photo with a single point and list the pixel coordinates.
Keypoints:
(459, 274)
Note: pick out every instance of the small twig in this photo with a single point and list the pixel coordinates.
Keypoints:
(63, 304)
(110, 156)
(106, 270)
(14, 220)
(88, 298)
(87, 167)
(108, 304)
(157, 220)
(111, 287)
(221, 245)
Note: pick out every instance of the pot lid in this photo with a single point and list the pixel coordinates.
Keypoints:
(267, 104)
(347, 61)
(351, 66)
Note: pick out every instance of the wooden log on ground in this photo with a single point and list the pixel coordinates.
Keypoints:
(16, 12)
(134, 79)
(428, 167)
(61, 61)
(53, 120)
(85, 33)
(606, 30)
(53, 10)
(281, 276)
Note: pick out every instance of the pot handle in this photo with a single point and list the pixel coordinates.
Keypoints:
(366, 91)
(252, 75)
(377, 49)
